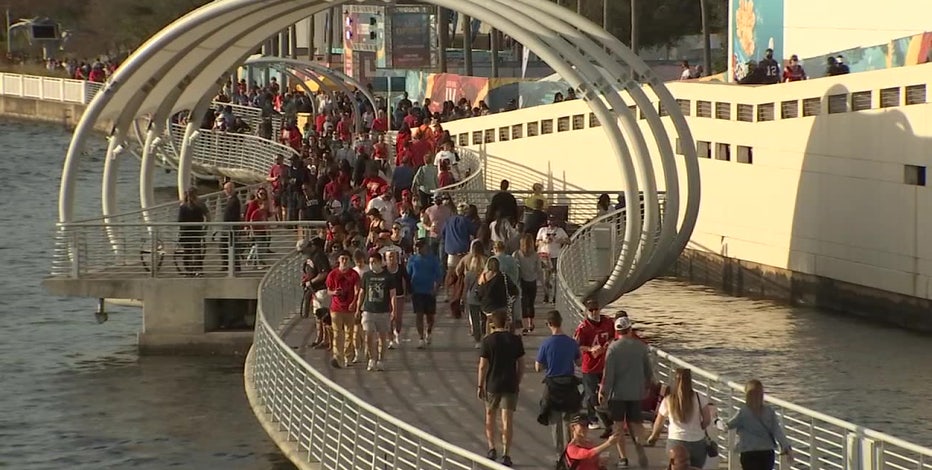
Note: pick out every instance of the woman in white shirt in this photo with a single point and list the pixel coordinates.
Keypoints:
(689, 414)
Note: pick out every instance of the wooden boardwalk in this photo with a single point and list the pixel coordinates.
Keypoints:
(434, 389)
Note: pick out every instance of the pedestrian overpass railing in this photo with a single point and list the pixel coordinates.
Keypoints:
(820, 442)
(319, 421)
(240, 156)
(48, 88)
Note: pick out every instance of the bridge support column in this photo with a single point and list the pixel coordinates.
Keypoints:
(198, 316)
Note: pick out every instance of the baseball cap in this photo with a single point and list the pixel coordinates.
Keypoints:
(579, 418)
(623, 323)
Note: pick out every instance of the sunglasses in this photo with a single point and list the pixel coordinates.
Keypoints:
(594, 309)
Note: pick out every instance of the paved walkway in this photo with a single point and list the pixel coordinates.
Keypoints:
(434, 389)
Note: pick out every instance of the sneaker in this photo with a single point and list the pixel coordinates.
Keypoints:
(391, 344)
(506, 461)
(492, 454)
(428, 338)
(524, 331)
(622, 463)
(334, 363)
(379, 365)
(421, 343)
(642, 455)
(477, 345)
(371, 365)
(595, 425)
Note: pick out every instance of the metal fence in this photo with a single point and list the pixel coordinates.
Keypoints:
(173, 250)
(241, 156)
(324, 422)
(48, 88)
(819, 441)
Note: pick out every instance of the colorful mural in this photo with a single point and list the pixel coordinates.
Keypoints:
(911, 50)
(758, 25)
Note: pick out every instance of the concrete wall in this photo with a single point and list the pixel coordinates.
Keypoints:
(825, 195)
(67, 114)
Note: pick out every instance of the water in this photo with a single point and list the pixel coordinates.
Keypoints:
(869, 374)
(76, 395)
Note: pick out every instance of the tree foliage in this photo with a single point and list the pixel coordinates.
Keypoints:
(661, 22)
(105, 26)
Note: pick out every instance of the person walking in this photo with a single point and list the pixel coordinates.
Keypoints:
(469, 270)
(401, 284)
(341, 285)
(495, 291)
(628, 375)
(425, 274)
(689, 414)
(759, 430)
(594, 335)
(558, 357)
(530, 273)
(501, 369)
(374, 307)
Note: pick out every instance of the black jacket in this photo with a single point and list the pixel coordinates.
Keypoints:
(561, 394)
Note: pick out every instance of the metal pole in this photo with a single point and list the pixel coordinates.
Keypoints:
(494, 45)
(579, 7)
(328, 54)
(605, 21)
(9, 40)
(706, 38)
(293, 41)
(311, 31)
(634, 26)
(467, 44)
(443, 36)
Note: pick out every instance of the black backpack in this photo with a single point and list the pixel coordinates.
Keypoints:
(563, 465)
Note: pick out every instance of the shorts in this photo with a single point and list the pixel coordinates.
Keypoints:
(424, 303)
(625, 410)
(501, 401)
(376, 322)
(279, 199)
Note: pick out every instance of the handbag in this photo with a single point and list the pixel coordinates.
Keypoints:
(711, 447)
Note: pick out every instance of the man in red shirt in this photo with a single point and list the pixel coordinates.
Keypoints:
(420, 149)
(594, 335)
(345, 128)
(380, 123)
(373, 184)
(278, 176)
(341, 284)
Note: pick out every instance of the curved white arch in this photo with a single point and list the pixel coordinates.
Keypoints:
(555, 34)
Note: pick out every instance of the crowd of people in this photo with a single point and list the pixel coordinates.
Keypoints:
(768, 71)
(392, 240)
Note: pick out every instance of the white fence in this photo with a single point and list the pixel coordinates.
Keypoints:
(48, 88)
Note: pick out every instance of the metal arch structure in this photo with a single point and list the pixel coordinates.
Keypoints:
(313, 68)
(169, 74)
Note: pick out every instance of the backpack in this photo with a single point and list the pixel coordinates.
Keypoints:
(563, 465)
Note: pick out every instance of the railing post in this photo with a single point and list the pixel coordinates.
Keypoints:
(154, 252)
(75, 254)
(231, 252)
(813, 446)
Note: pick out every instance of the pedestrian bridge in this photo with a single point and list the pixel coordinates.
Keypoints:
(420, 413)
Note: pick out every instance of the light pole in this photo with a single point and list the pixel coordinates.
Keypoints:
(706, 37)
(443, 37)
(634, 26)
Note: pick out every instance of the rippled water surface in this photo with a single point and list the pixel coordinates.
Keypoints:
(871, 375)
(74, 393)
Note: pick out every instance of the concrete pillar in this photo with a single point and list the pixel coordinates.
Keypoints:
(443, 35)
(467, 44)
(495, 45)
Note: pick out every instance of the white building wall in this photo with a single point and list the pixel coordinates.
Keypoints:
(814, 28)
(825, 194)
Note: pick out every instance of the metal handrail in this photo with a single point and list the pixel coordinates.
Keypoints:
(394, 443)
(231, 152)
(819, 440)
(48, 88)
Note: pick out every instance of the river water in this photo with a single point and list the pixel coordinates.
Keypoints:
(76, 395)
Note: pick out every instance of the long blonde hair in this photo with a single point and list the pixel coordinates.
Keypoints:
(475, 260)
(754, 395)
(527, 245)
(682, 397)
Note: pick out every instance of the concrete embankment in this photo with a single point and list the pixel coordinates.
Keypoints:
(66, 114)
